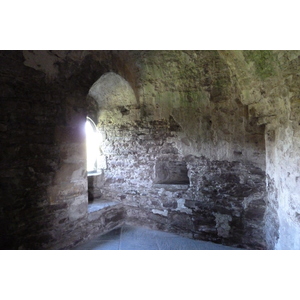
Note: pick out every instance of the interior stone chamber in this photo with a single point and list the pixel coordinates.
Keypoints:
(204, 144)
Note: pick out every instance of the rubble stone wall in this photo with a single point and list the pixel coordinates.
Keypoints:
(187, 158)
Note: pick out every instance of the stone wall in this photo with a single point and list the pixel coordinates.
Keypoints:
(42, 168)
(269, 84)
(189, 158)
(217, 194)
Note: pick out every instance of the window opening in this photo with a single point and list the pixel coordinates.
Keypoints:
(92, 146)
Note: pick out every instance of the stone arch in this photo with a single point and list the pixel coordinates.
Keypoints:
(83, 68)
(113, 98)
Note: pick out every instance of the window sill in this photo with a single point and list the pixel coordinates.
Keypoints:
(100, 204)
(94, 174)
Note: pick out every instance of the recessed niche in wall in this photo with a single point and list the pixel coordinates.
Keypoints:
(171, 172)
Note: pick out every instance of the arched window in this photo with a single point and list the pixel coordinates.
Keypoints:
(92, 146)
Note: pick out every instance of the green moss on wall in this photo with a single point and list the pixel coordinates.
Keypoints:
(263, 61)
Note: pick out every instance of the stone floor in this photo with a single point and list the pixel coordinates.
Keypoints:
(137, 238)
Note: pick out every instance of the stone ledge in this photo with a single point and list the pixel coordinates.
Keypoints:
(100, 204)
(170, 186)
(94, 174)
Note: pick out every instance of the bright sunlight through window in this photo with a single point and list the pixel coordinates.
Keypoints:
(92, 145)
